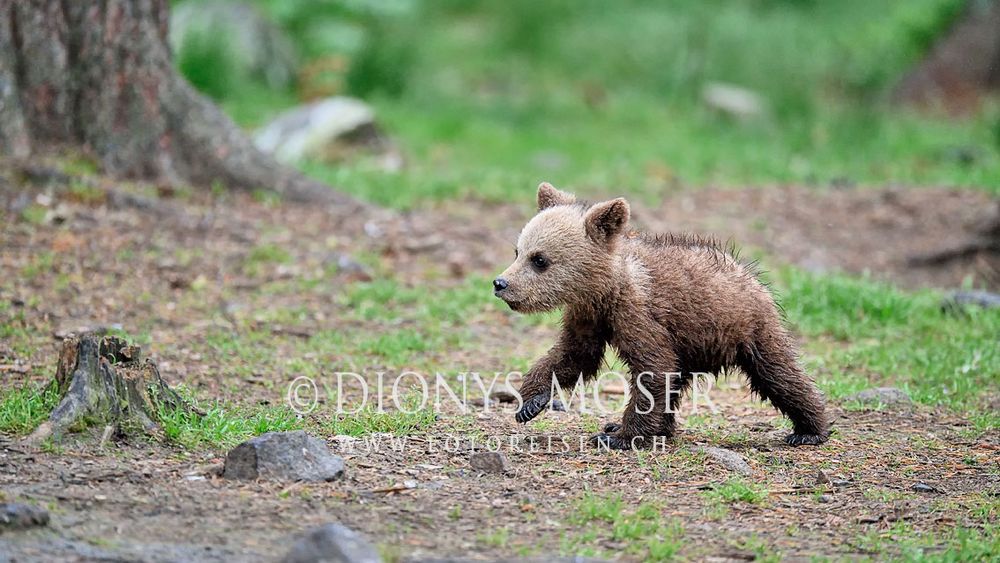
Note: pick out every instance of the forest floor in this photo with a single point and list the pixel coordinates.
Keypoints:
(235, 295)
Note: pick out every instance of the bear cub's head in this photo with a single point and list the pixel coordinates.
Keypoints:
(565, 254)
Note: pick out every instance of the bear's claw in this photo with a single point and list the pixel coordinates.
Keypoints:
(610, 442)
(805, 439)
(532, 407)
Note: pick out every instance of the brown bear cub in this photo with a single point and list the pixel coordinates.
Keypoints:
(670, 305)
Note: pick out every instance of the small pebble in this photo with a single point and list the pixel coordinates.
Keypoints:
(489, 462)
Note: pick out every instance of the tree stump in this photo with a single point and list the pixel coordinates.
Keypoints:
(104, 381)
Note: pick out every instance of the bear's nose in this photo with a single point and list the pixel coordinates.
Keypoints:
(499, 284)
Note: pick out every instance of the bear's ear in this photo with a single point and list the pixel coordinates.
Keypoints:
(548, 196)
(607, 219)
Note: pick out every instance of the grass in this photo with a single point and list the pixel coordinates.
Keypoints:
(369, 420)
(736, 491)
(864, 333)
(23, 409)
(488, 98)
(955, 544)
(225, 425)
(643, 530)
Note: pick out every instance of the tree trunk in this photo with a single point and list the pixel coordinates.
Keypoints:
(97, 74)
(963, 65)
(104, 381)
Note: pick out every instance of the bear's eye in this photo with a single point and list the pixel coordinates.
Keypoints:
(539, 262)
(515, 254)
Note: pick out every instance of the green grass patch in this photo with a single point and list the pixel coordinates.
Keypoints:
(643, 530)
(865, 333)
(409, 418)
(23, 409)
(488, 98)
(735, 491)
(953, 545)
(224, 425)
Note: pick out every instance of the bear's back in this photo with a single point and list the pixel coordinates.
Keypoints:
(700, 292)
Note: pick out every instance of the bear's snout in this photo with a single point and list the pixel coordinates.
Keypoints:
(499, 285)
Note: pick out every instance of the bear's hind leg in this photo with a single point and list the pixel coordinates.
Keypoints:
(775, 374)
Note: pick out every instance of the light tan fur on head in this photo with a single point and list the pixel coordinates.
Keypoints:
(566, 253)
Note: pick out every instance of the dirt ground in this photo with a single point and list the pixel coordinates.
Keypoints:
(113, 263)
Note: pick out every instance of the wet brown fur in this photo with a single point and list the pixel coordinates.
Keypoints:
(666, 303)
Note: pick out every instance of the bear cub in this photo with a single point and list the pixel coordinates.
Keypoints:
(670, 305)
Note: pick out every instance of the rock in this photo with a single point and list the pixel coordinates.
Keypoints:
(824, 499)
(881, 396)
(351, 268)
(283, 456)
(17, 516)
(729, 459)
(315, 130)
(254, 46)
(489, 462)
(983, 299)
(557, 406)
(732, 100)
(925, 488)
(503, 394)
(332, 543)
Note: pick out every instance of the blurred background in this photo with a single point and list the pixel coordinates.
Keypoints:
(483, 99)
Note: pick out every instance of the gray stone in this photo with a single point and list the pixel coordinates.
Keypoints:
(504, 394)
(350, 267)
(283, 456)
(881, 395)
(311, 130)
(332, 543)
(825, 499)
(984, 299)
(732, 100)
(489, 462)
(256, 47)
(729, 459)
(17, 516)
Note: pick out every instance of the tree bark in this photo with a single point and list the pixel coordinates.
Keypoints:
(97, 74)
(104, 381)
(963, 64)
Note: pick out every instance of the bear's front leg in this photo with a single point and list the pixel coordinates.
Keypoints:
(575, 357)
(649, 412)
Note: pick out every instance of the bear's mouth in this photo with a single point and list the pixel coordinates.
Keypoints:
(514, 304)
